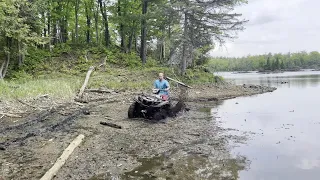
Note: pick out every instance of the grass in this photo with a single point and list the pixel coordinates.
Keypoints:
(65, 86)
(62, 75)
(56, 88)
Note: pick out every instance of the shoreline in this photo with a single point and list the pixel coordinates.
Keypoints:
(45, 133)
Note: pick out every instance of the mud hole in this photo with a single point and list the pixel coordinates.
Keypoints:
(190, 146)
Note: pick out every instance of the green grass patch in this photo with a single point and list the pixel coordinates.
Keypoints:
(57, 88)
(61, 72)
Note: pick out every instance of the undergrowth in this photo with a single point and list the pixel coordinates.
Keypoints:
(61, 72)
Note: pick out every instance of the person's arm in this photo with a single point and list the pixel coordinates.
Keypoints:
(155, 84)
(168, 86)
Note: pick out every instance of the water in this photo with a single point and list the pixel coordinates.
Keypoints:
(286, 124)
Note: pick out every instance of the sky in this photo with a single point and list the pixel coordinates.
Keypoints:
(276, 26)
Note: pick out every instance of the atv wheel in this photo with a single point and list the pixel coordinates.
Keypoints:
(133, 111)
(162, 114)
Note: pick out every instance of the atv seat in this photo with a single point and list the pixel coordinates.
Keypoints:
(164, 97)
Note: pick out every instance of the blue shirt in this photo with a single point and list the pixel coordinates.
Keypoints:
(164, 84)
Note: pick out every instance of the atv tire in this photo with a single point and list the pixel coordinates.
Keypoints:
(160, 115)
(133, 111)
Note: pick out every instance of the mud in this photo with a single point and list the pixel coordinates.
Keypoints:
(190, 146)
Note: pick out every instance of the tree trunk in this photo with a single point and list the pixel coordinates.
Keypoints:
(44, 22)
(49, 30)
(106, 25)
(130, 40)
(96, 19)
(135, 43)
(61, 32)
(77, 21)
(55, 40)
(122, 35)
(20, 53)
(65, 32)
(88, 22)
(184, 46)
(2, 68)
(160, 46)
(5, 64)
(143, 49)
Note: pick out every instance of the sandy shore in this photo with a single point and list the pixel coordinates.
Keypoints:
(140, 150)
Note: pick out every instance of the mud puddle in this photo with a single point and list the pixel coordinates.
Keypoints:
(189, 147)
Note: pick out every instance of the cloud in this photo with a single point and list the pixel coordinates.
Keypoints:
(263, 19)
(276, 26)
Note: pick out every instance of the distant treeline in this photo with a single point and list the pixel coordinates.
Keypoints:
(267, 62)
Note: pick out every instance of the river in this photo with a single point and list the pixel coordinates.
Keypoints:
(285, 125)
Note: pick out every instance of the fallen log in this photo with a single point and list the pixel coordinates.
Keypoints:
(95, 100)
(10, 115)
(25, 103)
(80, 95)
(63, 158)
(180, 83)
(81, 100)
(110, 125)
(99, 90)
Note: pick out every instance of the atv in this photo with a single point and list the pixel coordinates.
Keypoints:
(150, 106)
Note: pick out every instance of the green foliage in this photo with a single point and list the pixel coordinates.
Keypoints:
(198, 76)
(152, 63)
(290, 61)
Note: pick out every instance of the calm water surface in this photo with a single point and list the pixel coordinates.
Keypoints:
(286, 123)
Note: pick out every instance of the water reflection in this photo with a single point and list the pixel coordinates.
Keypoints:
(205, 159)
(188, 166)
(285, 124)
(297, 79)
(184, 165)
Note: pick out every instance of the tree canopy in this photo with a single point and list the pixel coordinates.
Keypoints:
(269, 62)
(172, 32)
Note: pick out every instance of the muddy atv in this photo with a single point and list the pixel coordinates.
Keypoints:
(149, 106)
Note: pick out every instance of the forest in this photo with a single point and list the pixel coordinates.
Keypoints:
(267, 62)
(166, 33)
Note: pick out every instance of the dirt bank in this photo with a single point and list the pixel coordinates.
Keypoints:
(190, 146)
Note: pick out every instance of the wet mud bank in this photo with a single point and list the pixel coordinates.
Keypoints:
(190, 146)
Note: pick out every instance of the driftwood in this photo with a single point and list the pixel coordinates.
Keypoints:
(99, 90)
(180, 83)
(22, 102)
(87, 100)
(80, 95)
(110, 125)
(43, 96)
(10, 115)
(81, 100)
(78, 103)
(63, 158)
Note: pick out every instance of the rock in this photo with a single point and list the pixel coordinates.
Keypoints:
(212, 99)
(86, 112)
(170, 165)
